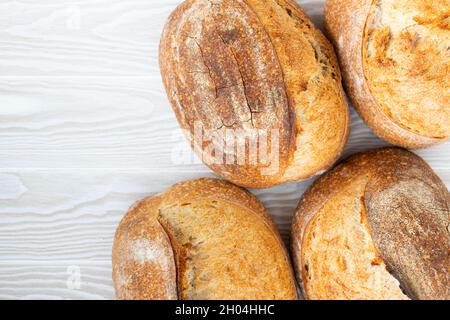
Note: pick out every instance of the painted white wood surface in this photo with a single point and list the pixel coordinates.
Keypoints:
(86, 130)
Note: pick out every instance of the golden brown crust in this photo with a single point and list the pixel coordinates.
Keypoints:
(202, 222)
(142, 257)
(255, 65)
(408, 209)
(314, 86)
(201, 189)
(407, 212)
(221, 72)
(385, 55)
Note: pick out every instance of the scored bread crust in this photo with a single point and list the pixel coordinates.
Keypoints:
(348, 26)
(143, 261)
(253, 64)
(160, 250)
(406, 213)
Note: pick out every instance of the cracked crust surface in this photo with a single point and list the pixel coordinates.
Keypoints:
(376, 227)
(255, 65)
(188, 243)
(395, 61)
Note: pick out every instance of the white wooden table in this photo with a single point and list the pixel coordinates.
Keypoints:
(86, 130)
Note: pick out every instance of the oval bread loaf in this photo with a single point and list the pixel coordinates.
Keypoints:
(395, 60)
(256, 87)
(376, 227)
(201, 239)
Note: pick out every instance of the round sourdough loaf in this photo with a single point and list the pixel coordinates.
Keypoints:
(201, 239)
(262, 82)
(376, 227)
(395, 60)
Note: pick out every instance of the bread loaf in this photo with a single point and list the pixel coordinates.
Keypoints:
(376, 227)
(395, 60)
(262, 82)
(201, 239)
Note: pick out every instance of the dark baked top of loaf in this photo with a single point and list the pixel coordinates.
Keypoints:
(201, 239)
(253, 68)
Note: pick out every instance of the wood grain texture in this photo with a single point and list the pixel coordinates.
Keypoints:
(86, 130)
